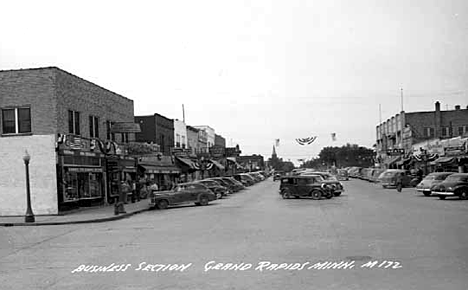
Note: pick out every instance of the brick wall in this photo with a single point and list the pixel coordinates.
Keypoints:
(74, 93)
(34, 88)
(158, 129)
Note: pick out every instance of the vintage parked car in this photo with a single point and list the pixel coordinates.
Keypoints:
(342, 175)
(236, 184)
(354, 171)
(182, 193)
(375, 174)
(388, 177)
(277, 175)
(430, 181)
(454, 185)
(218, 189)
(336, 186)
(246, 180)
(312, 186)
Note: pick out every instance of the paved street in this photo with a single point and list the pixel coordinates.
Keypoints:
(424, 238)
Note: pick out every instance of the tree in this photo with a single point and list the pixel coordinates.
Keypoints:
(345, 156)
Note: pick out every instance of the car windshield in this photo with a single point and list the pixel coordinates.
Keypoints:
(390, 174)
(332, 177)
(431, 177)
(453, 178)
(305, 181)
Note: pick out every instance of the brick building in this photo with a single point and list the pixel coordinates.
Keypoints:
(397, 135)
(66, 125)
(192, 139)
(157, 129)
(251, 162)
(220, 141)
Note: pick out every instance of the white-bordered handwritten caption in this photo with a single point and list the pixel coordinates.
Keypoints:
(262, 266)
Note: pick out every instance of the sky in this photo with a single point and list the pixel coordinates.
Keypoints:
(255, 71)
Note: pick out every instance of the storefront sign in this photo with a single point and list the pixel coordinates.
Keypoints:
(217, 151)
(407, 133)
(84, 169)
(434, 146)
(125, 127)
(395, 152)
(73, 142)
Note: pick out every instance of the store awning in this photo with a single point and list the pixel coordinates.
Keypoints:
(445, 160)
(188, 163)
(217, 164)
(233, 160)
(404, 161)
(394, 159)
(160, 169)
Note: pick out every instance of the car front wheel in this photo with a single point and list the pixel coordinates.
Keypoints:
(162, 204)
(285, 194)
(316, 194)
(441, 197)
(203, 200)
(464, 194)
(427, 193)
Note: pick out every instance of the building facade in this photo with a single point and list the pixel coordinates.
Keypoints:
(65, 124)
(220, 141)
(180, 134)
(157, 129)
(397, 135)
(210, 135)
(192, 139)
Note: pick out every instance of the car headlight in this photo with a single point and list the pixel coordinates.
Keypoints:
(449, 188)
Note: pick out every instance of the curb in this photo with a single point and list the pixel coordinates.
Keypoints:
(107, 219)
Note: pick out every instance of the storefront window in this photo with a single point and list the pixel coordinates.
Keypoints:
(81, 185)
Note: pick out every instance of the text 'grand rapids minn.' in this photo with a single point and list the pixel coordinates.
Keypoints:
(260, 266)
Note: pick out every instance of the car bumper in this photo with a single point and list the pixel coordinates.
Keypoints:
(423, 190)
(445, 193)
(387, 183)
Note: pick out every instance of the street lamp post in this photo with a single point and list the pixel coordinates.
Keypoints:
(29, 218)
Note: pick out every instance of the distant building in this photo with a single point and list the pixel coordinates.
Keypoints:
(397, 135)
(210, 135)
(192, 139)
(220, 141)
(251, 162)
(180, 134)
(158, 129)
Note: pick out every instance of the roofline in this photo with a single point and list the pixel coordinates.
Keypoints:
(66, 72)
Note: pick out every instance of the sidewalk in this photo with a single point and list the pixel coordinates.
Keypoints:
(80, 216)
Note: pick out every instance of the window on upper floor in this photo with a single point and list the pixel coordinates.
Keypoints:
(429, 132)
(109, 135)
(16, 120)
(74, 122)
(445, 132)
(462, 130)
(93, 127)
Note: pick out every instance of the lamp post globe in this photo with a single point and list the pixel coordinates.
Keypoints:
(29, 217)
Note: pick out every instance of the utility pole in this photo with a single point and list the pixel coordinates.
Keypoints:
(183, 113)
(380, 114)
(401, 90)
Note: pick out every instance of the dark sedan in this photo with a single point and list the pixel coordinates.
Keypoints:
(218, 190)
(182, 193)
(454, 185)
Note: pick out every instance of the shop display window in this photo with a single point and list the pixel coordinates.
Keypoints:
(81, 185)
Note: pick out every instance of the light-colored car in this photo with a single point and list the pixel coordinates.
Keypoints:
(430, 180)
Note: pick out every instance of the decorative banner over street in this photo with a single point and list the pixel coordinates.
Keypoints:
(306, 141)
